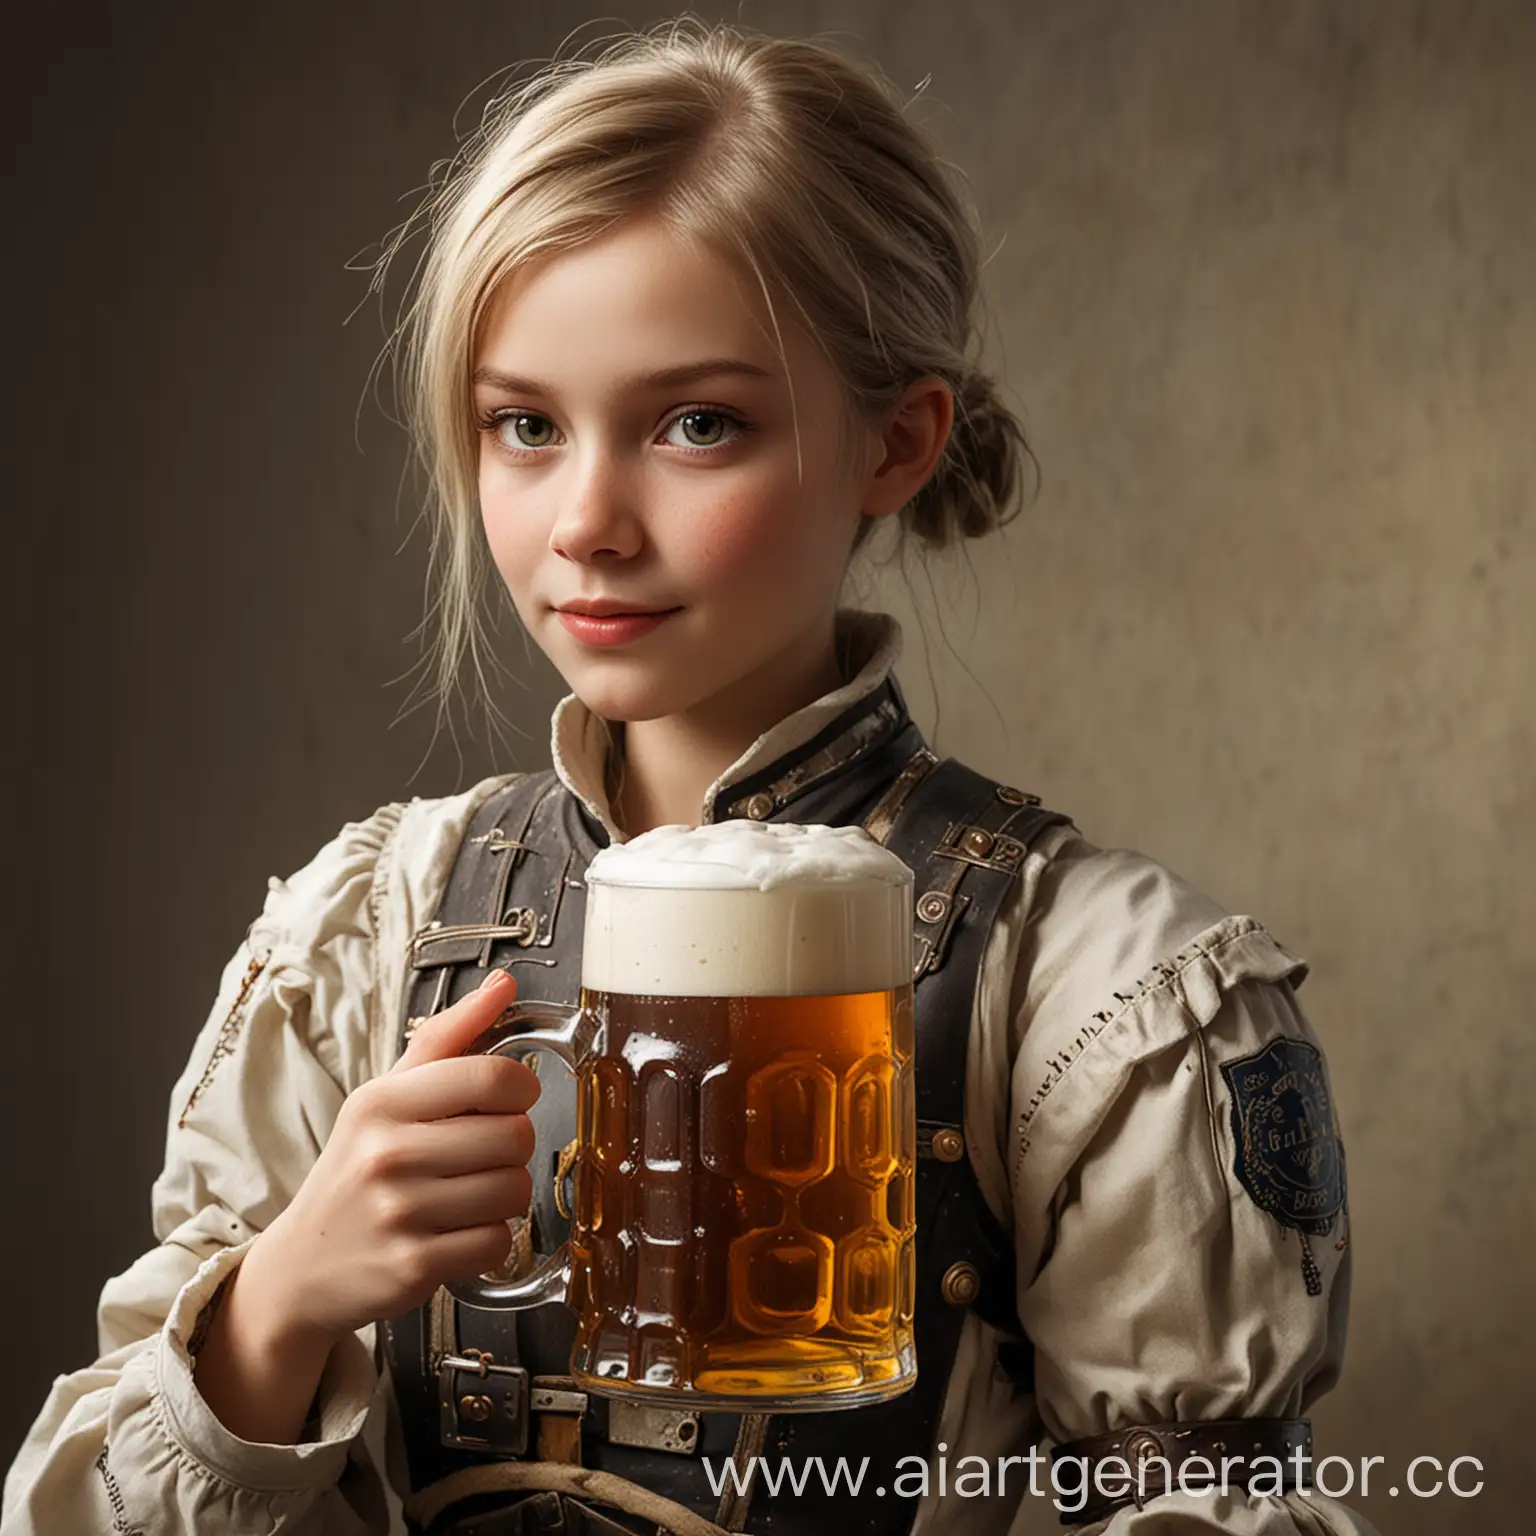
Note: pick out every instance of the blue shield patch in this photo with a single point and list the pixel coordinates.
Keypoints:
(1289, 1156)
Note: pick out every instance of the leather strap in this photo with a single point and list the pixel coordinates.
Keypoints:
(520, 840)
(1149, 1458)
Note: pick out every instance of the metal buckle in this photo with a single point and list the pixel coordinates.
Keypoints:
(522, 925)
(982, 847)
(487, 1412)
(929, 949)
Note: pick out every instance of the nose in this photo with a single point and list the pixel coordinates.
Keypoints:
(597, 519)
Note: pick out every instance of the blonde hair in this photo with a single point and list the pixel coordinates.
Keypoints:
(790, 160)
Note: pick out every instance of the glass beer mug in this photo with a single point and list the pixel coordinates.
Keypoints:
(743, 1222)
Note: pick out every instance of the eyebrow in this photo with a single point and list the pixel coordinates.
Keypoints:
(684, 373)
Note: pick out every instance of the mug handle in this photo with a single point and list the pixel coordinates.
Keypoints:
(568, 1032)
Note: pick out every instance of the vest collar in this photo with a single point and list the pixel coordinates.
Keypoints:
(806, 747)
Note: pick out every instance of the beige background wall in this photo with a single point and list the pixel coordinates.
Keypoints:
(1262, 283)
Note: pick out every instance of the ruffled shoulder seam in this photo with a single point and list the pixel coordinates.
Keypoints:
(1237, 948)
(270, 947)
(383, 866)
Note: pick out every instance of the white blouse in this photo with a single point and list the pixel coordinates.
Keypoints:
(1097, 1119)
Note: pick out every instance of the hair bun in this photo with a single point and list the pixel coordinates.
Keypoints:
(978, 483)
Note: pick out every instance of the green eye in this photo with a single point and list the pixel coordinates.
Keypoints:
(519, 419)
(717, 420)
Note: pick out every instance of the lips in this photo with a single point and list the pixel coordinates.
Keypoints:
(609, 608)
(609, 624)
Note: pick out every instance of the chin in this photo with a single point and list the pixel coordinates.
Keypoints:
(629, 698)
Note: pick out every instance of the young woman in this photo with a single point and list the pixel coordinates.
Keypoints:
(695, 317)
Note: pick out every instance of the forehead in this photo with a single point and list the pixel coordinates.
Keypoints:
(632, 300)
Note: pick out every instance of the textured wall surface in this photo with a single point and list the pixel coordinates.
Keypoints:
(1261, 280)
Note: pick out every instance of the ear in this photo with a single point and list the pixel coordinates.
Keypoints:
(908, 442)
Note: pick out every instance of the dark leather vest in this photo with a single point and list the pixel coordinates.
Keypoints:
(475, 1385)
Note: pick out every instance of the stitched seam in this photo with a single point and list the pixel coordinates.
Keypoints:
(383, 869)
(1168, 973)
(115, 1498)
(190, 1464)
(1210, 1105)
(229, 1033)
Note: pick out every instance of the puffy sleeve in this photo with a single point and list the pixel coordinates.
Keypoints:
(127, 1444)
(1177, 1181)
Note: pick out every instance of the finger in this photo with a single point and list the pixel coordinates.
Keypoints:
(455, 1029)
(442, 1149)
(472, 1199)
(461, 1085)
(471, 1251)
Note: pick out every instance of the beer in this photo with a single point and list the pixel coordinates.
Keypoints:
(743, 1226)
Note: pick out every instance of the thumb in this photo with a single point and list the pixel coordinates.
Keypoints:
(455, 1029)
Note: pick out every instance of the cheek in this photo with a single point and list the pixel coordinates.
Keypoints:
(755, 535)
(506, 535)
(736, 535)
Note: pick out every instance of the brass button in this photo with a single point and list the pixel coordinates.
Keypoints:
(932, 906)
(475, 1407)
(1141, 1445)
(961, 1284)
(948, 1145)
(1011, 796)
(978, 841)
(760, 806)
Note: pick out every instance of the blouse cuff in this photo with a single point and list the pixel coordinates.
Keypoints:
(341, 1402)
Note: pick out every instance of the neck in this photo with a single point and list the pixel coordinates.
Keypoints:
(664, 766)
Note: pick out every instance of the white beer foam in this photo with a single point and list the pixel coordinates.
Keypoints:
(731, 855)
(747, 909)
